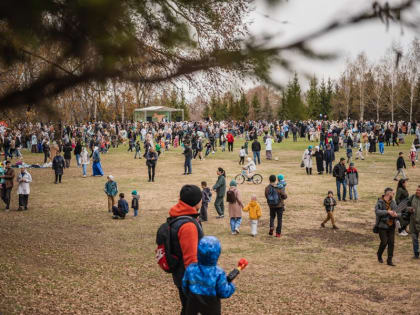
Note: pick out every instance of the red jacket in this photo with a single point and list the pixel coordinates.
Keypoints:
(230, 138)
(187, 233)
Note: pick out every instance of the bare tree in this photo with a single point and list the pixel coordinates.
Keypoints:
(361, 68)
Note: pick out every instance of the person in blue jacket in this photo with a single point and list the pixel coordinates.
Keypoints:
(205, 283)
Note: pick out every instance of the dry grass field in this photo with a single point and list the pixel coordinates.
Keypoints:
(67, 256)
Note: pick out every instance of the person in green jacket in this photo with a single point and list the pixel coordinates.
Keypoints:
(111, 190)
(414, 208)
(220, 189)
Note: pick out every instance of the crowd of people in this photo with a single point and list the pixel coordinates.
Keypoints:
(88, 142)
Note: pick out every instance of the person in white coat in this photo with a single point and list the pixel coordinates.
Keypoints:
(307, 160)
(268, 147)
(84, 160)
(24, 179)
(250, 168)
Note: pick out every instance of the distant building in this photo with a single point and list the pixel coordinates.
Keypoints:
(155, 113)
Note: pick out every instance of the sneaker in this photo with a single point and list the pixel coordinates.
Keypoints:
(19, 209)
(220, 217)
(403, 233)
(237, 230)
(278, 235)
(322, 225)
(390, 263)
(115, 217)
(396, 179)
(271, 232)
(398, 225)
(234, 233)
(335, 227)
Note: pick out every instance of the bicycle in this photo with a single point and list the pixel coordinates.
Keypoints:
(256, 178)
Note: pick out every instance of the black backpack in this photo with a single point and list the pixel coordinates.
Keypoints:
(167, 235)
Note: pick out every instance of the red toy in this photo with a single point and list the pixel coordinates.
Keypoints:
(235, 272)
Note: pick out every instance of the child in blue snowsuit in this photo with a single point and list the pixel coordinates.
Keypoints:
(205, 283)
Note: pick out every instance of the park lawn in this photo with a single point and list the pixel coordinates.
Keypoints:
(67, 256)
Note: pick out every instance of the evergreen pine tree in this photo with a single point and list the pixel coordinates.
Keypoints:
(325, 95)
(293, 102)
(256, 107)
(267, 111)
(243, 108)
(312, 99)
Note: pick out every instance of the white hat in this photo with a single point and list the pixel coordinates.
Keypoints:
(249, 159)
(111, 177)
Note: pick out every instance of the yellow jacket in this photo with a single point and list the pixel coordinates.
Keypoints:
(254, 210)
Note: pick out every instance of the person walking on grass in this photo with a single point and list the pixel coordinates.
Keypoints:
(339, 172)
(96, 166)
(135, 202)
(186, 233)
(385, 211)
(256, 151)
(67, 154)
(206, 198)
(235, 206)
(230, 140)
(414, 208)
(220, 189)
(275, 200)
(254, 210)
(8, 177)
(402, 195)
(307, 160)
(352, 177)
(242, 155)
(24, 179)
(58, 167)
(329, 204)
(138, 150)
(84, 160)
(188, 158)
(400, 167)
(111, 191)
(151, 161)
(268, 147)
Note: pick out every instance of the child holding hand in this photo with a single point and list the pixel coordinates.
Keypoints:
(254, 210)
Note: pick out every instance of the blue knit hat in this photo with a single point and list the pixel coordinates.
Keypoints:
(233, 183)
(310, 147)
(134, 192)
(280, 177)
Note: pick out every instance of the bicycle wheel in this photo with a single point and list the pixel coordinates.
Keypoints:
(239, 179)
(257, 179)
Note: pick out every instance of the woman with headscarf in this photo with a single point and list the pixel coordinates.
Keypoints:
(96, 166)
(307, 160)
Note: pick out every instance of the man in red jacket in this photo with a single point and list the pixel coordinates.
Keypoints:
(185, 234)
(230, 140)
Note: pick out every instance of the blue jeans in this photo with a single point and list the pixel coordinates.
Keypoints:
(235, 224)
(187, 166)
(415, 239)
(381, 147)
(78, 159)
(353, 192)
(257, 157)
(136, 212)
(339, 183)
(84, 166)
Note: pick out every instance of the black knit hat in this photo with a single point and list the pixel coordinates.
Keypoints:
(190, 194)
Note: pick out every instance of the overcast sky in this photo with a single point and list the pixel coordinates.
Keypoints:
(298, 17)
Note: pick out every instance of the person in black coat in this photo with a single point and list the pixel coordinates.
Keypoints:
(329, 157)
(400, 166)
(67, 154)
(58, 167)
(256, 149)
(188, 157)
(319, 156)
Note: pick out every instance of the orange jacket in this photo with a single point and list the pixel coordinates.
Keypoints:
(187, 233)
